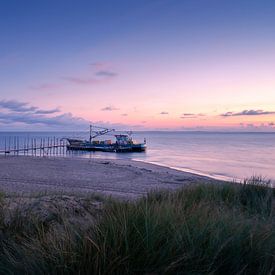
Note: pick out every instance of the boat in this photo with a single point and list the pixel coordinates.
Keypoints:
(123, 142)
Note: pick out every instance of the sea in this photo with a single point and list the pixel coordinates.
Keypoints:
(221, 155)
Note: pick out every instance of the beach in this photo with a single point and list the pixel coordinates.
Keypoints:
(223, 156)
(93, 216)
(125, 179)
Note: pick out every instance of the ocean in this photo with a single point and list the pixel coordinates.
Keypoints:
(228, 156)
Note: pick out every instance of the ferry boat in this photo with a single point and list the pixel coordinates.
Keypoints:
(123, 142)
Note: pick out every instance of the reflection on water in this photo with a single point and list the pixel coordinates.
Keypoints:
(221, 155)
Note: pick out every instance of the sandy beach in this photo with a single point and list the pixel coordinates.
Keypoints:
(119, 178)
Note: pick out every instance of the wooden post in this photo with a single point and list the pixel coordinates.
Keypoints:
(56, 150)
(40, 147)
(18, 146)
(47, 145)
(43, 146)
(14, 145)
(28, 139)
(60, 147)
(27, 145)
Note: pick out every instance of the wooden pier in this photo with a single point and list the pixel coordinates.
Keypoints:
(33, 146)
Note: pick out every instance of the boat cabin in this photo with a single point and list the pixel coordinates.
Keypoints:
(123, 140)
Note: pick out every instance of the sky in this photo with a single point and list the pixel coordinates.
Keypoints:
(140, 65)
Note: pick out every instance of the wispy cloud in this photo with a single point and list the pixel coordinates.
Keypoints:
(45, 112)
(103, 70)
(100, 77)
(101, 74)
(191, 115)
(100, 65)
(45, 86)
(188, 114)
(248, 113)
(163, 113)
(124, 114)
(106, 73)
(109, 108)
(81, 80)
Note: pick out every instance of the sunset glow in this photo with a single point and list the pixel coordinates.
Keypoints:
(143, 65)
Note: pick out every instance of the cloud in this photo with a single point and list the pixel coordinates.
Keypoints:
(163, 113)
(66, 119)
(188, 114)
(23, 107)
(106, 73)
(14, 105)
(247, 113)
(101, 74)
(109, 108)
(100, 65)
(124, 114)
(14, 112)
(258, 126)
(19, 115)
(45, 86)
(102, 77)
(191, 115)
(81, 80)
(51, 111)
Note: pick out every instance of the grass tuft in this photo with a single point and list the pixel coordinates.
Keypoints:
(199, 229)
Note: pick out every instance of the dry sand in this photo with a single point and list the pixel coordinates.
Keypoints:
(120, 178)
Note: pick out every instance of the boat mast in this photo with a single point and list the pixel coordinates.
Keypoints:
(100, 132)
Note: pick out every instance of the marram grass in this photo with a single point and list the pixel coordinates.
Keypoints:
(199, 229)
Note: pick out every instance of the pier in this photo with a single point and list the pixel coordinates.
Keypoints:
(33, 146)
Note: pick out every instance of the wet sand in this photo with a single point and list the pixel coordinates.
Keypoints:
(120, 178)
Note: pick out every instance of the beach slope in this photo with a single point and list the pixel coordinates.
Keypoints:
(119, 178)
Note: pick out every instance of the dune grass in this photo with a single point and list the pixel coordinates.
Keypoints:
(199, 229)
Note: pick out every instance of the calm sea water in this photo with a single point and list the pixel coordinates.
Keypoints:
(219, 155)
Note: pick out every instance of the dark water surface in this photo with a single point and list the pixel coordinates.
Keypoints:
(219, 155)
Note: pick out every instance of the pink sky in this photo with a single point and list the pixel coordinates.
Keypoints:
(148, 66)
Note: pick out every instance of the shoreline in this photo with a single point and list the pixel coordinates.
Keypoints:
(115, 177)
(194, 172)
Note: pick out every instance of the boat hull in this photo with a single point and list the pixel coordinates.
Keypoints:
(87, 146)
(139, 147)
